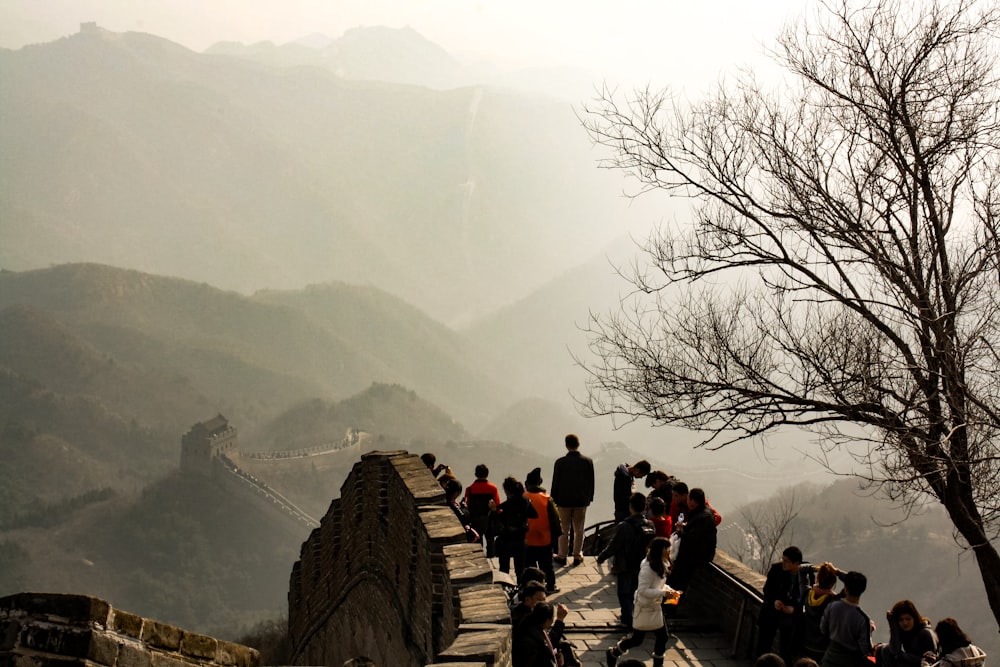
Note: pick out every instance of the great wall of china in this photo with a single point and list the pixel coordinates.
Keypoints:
(385, 577)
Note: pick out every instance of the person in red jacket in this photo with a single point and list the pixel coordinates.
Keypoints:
(543, 530)
(478, 496)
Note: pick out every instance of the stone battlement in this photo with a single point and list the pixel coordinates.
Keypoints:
(389, 576)
(43, 629)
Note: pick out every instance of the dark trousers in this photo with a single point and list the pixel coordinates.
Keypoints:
(788, 628)
(628, 582)
(541, 557)
(506, 551)
(638, 636)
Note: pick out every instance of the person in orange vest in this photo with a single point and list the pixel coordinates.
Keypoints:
(543, 531)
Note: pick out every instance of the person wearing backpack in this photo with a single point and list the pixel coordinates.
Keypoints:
(628, 549)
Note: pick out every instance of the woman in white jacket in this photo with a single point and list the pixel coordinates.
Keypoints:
(649, 596)
(957, 650)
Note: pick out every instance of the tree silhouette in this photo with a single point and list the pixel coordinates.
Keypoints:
(841, 269)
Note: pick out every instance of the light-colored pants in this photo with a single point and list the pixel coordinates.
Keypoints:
(572, 517)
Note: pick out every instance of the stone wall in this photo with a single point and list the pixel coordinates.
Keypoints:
(388, 576)
(54, 630)
(729, 594)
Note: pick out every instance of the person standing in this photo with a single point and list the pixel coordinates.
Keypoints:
(543, 530)
(649, 593)
(698, 541)
(625, 476)
(572, 491)
(847, 626)
(512, 517)
(627, 549)
(482, 497)
(782, 610)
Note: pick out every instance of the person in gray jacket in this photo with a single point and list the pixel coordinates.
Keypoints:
(573, 491)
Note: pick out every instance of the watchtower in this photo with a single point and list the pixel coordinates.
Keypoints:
(205, 441)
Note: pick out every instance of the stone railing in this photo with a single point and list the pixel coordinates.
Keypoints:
(388, 576)
(729, 594)
(68, 630)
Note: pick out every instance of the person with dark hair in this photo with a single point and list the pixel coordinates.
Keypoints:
(956, 649)
(650, 592)
(625, 476)
(660, 485)
(572, 491)
(511, 519)
(628, 548)
(532, 645)
(847, 626)
(782, 610)
(769, 660)
(658, 515)
(480, 497)
(819, 597)
(543, 530)
(679, 505)
(910, 637)
(805, 662)
(429, 460)
(532, 592)
(698, 541)
(452, 492)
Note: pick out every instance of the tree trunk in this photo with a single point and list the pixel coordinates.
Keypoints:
(986, 554)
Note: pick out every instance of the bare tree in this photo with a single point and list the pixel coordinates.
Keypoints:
(841, 272)
(767, 523)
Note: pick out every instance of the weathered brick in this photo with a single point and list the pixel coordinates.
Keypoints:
(161, 635)
(199, 646)
(126, 623)
(159, 659)
(229, 653)
(103, 649)
(131, 655)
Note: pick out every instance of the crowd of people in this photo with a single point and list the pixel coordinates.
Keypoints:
(660, 540)
(814, 624)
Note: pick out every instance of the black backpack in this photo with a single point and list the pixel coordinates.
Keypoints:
(642, 533)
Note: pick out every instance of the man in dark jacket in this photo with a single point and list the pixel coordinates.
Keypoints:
(782, 608)
(625, 476)
(572, 491)
(698, 539)
(628, 548)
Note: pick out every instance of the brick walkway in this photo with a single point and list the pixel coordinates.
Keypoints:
(592, 624)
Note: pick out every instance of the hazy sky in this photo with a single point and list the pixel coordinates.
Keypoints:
(661, 41)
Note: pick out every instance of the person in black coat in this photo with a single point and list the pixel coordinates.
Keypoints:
(698, 541)
(573, 491)
(532, 645)
(783, 605)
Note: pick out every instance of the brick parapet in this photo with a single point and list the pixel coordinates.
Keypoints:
(729, 594)
(388, 576)
(44, 629)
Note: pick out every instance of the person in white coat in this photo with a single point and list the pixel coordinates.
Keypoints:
(648, 615)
